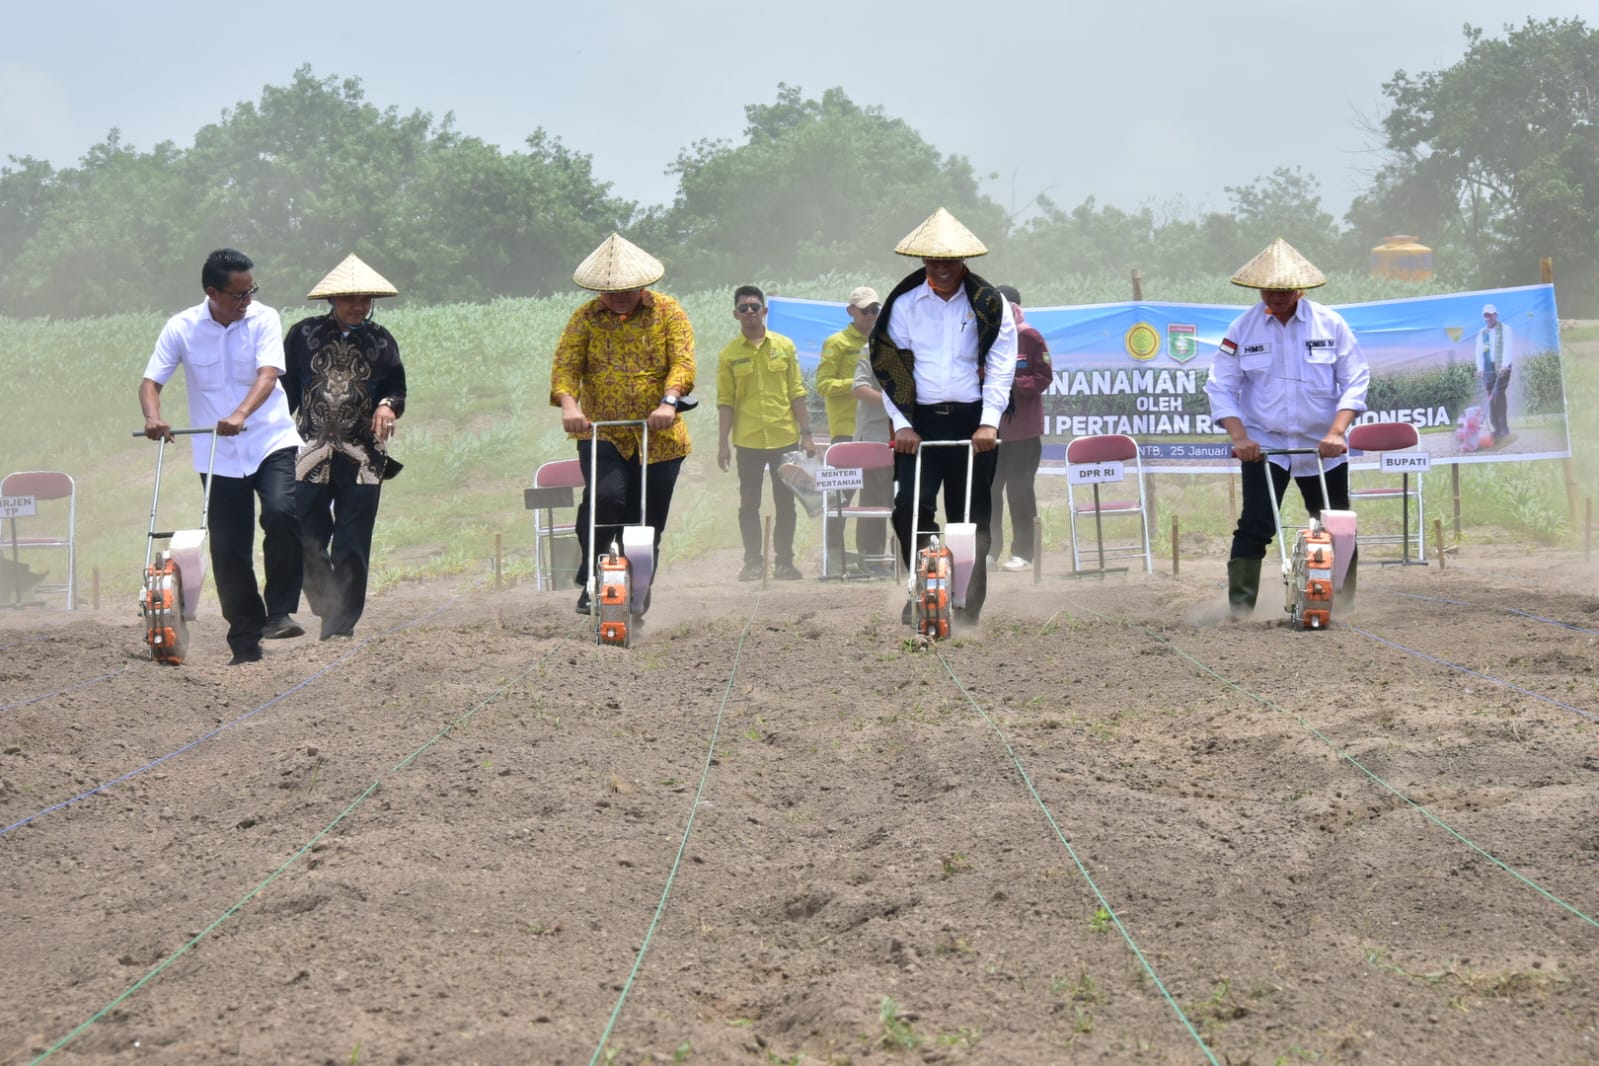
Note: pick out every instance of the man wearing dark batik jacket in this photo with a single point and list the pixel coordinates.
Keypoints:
(346, 385)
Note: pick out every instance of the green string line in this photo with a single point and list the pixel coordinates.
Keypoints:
(682, 846)
(1356, 763)
(231, 911)
(1082, 869)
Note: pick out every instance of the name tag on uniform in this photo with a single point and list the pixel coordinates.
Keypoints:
(1257, 349)
(1324, 342)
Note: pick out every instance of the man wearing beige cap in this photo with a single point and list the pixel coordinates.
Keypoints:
(346, 385)
(1288, 374)
(944, 352)
(835, 383)
(626, 355)
(1495, 342)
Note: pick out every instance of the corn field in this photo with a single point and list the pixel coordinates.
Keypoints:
(478, 421)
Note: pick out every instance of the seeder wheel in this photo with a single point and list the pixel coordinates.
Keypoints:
(613, 619)
(165, 630)
(1310, 587)
(933, 590)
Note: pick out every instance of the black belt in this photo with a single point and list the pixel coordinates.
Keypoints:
(949, 408)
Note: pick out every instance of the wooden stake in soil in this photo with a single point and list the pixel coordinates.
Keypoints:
(1454, 485)
(1038, 549)
(766, 548)
(1175, 563)
(498, 581)
(1438, 541)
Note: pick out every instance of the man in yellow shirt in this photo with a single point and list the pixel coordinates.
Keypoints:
(760, 401)
(629, 354)
(835, 383)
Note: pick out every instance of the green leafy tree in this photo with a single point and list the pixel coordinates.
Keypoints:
(1495, 160)
(298, 180)
(1171, 241)
(817, 186)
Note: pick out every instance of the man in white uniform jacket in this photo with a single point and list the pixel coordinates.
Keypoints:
(1289, 374)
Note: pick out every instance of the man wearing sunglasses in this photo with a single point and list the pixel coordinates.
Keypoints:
(760, 401)
(231, 350)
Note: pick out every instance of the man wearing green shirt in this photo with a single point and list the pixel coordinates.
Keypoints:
(835, 383)
(761, 409)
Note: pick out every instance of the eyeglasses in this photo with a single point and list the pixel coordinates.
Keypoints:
(240, 297)
(747, 309)
(872, 310)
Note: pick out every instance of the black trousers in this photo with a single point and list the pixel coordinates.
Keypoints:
(615, 493)
(1256, 524)
(336, 521)
(945, 468)
(1014, 477)
(753, 463)
(232, 534)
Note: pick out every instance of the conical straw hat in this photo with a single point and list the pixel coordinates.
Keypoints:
(352, 278)
(618, 265)
(1280, 266)
(941, 237)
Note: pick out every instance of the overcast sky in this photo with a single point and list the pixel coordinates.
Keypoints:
(1154, 102)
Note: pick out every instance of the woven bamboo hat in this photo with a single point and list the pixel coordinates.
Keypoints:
(352, 278)
(941, 237)
(1280, 266)
(618, 265)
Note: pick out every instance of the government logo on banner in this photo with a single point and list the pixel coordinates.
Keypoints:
(1182, 342)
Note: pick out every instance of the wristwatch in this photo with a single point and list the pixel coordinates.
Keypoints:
(670, 401)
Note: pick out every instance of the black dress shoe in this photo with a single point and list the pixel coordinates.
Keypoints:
(583, 602)
(281, 626)
(246, 655)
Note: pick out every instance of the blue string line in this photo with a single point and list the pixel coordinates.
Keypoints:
(304, 848)
(1474, 673)
(1507, 610)
(70, 688)
(197, 741)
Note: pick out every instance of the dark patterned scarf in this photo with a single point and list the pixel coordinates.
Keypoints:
(895, 367)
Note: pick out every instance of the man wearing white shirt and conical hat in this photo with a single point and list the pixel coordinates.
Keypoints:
(1288, 374)
(346, 384)
(944, 351)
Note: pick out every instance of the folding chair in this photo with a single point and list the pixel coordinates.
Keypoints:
(1097, 461)
(552, 487)
(43, 485)
(1390, 437)
(862, 455)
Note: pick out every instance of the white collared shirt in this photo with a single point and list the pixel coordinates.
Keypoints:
(1287, 381)
(943, 334)
(220, 364)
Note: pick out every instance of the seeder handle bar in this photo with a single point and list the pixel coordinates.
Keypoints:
(643, 492)
(155, 497)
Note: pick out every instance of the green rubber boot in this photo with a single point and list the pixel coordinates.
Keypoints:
(1243, 585)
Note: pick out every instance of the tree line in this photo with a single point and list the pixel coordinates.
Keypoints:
(1494, 160)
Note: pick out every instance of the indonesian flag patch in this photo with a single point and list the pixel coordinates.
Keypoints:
(1227, 347)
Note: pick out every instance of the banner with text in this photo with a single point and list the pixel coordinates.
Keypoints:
(1140, 370)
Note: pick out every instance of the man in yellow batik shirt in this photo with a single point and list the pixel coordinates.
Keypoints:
(628, 354)
(760, 402)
